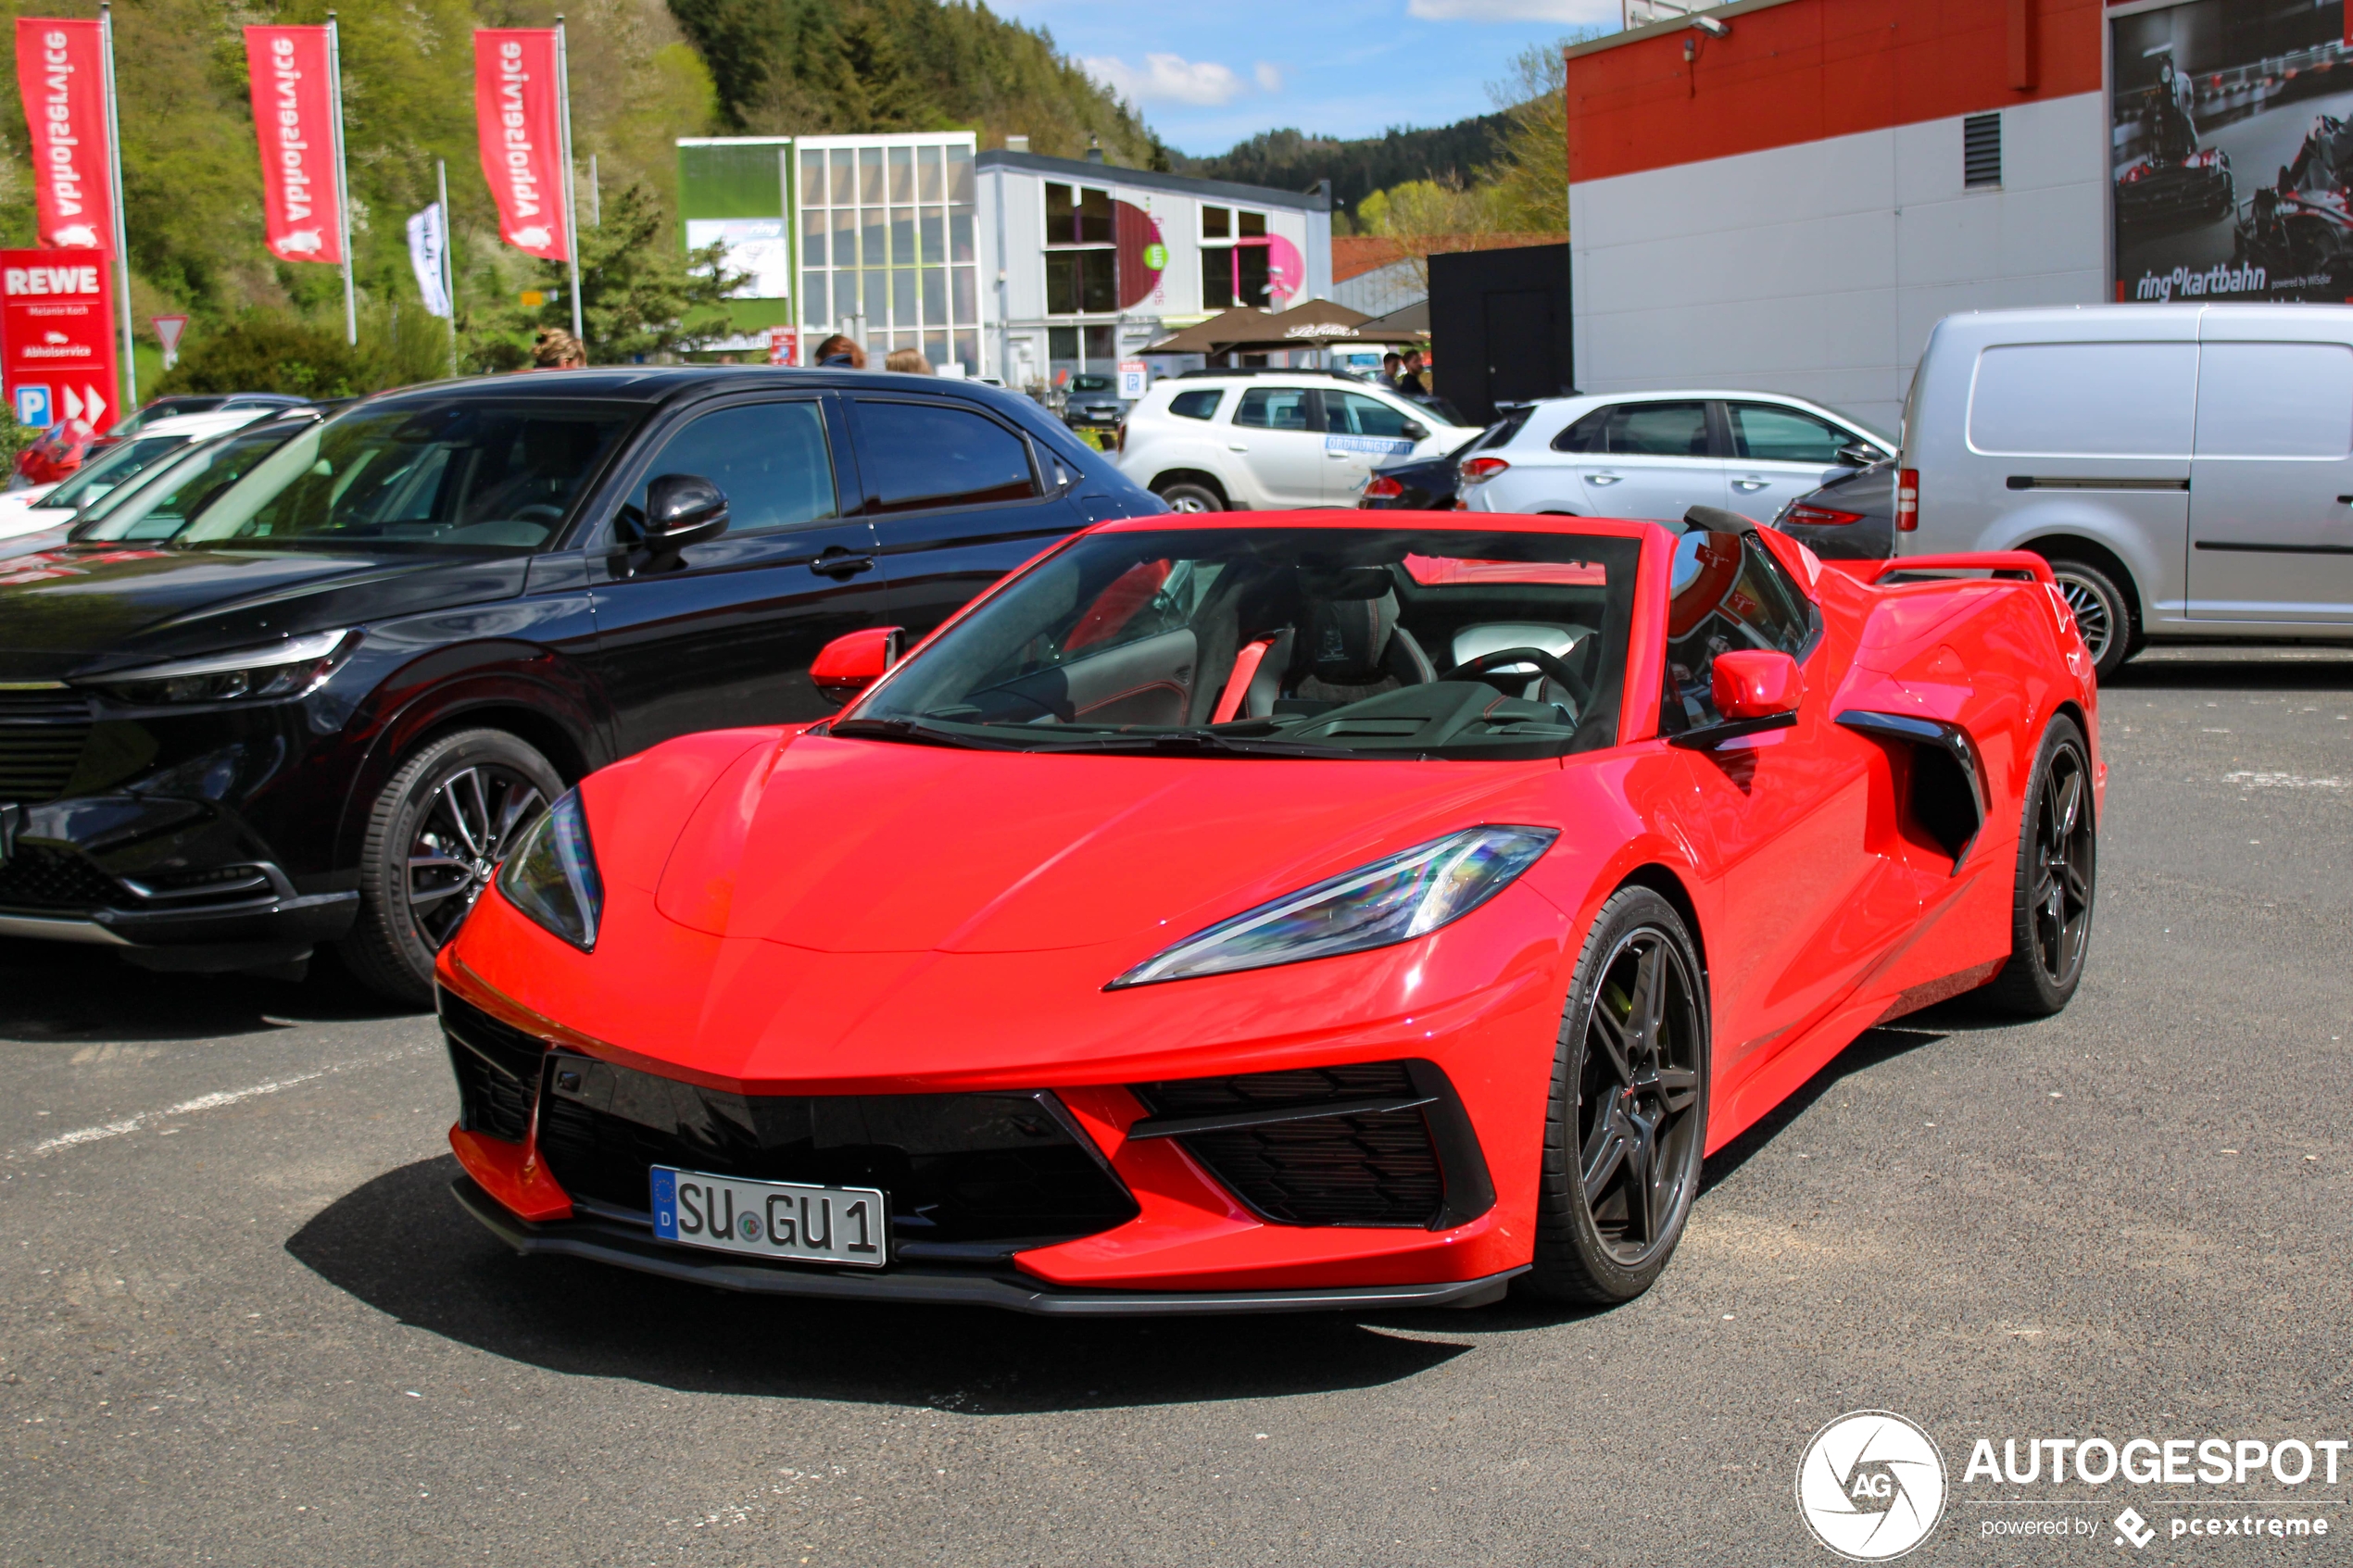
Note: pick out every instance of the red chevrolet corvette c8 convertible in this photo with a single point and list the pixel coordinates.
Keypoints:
(1276, 912)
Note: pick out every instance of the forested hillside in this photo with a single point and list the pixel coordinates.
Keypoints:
(1292, 160)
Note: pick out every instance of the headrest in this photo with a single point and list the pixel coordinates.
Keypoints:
(1348, 631)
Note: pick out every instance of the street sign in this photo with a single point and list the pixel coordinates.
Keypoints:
(784, 345)
(1133, 380)
(32, 407)
(168, 331)
(57, 336)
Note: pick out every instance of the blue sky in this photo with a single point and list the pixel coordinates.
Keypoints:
(1207, 73)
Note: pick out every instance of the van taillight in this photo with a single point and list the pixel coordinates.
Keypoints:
(1907, 500)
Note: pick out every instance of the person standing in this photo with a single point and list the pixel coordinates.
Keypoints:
(1393, 364)
(1412, 383)
(841, 352)
(910, 361)
(555, 349)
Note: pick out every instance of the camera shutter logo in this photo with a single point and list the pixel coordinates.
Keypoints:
(1872, 1485)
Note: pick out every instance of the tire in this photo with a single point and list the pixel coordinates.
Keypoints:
(1627, 1114)
(462, 801)
(1186, 496)
(2103, 613)
(2058, 857)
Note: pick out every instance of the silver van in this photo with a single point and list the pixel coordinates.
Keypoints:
(2186, 469)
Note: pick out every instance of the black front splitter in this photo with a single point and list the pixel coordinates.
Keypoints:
(630, 1246)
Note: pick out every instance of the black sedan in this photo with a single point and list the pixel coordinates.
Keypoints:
(317, 702)
(1430, 484)
(1852, 517)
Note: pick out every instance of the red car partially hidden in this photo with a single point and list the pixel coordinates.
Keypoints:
(1276, 912)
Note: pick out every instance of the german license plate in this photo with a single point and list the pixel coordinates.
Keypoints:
(786, 1220)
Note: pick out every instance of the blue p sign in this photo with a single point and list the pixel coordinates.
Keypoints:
(32, 407)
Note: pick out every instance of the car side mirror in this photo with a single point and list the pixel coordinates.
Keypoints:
(1415, 430)
(1857, 454)
(682, 510)
(850, 664)
(1756, 683)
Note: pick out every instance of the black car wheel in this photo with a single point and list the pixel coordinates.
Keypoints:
(2102, 613)
(1627, 1126)
(436, 833)
(1190, 498)
(2057, 876)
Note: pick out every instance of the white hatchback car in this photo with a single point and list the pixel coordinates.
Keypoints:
(1273, 440)
(1658, 454)
(43, 507)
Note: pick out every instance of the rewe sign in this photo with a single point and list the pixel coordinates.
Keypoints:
(56, 342)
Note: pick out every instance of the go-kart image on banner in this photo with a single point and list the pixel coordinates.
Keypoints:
(2233, 151)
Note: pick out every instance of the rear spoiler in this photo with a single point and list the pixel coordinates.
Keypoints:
(2000, 563)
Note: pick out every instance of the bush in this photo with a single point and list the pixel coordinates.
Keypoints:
(272, 354)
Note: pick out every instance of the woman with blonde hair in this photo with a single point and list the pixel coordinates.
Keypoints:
(555, 350)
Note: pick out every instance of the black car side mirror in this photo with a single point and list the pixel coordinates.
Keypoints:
(1415, 430)
(1856, 455)
(682, 510)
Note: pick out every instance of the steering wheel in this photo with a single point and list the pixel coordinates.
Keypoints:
(1562, 675)
(538, 511)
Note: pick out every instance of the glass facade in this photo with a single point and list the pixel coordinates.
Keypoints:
(887, 234)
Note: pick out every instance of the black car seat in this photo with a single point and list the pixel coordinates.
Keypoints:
(1352, 647)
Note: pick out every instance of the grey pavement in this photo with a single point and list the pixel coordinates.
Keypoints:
(242, 1321)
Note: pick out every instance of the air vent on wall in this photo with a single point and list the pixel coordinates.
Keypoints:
(1982, 150)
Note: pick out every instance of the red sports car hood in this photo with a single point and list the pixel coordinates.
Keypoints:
(879, 846)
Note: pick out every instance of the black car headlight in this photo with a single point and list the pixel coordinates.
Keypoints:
(1378, 905)
(282, 670)
(551, 877)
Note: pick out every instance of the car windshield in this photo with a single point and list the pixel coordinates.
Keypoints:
(1284, 642)
(163, 503)
(110, 468)
(1090, 383)
(461, 474)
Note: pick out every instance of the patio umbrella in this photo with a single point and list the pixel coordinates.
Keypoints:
(1315, 323)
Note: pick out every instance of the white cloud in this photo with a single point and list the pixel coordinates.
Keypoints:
(1573, 13)
(1269, 79)
(1167, 78)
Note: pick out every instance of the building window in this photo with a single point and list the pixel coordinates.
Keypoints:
(887, 234)
(1082, 262)
(1233, 257)
(1981, 151)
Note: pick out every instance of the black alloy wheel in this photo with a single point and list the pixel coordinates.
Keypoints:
(439, 829)
(2057, 877)
(1628, 1126)
(2102, 615)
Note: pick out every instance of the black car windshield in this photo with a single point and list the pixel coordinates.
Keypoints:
(162, 505)
(461, 474)
(1090, 383)
(1284, 642)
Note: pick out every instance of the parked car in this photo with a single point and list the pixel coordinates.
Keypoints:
(201, 403)
(1434, 484)
(1656, 455)
(2186, 468)
(103, 473)
(1442, 888)
(1094, 401)
(69, 443)
(1852, 517)
(325, 699)
(1214, 441)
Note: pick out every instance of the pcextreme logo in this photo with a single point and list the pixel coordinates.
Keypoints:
(1872, 1485)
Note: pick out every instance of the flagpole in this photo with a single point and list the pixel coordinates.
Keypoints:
(343, 181)
(448, 273)
(121, 232)
(572, 197)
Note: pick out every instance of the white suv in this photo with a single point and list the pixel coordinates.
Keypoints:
(1658, 454)
(1273, 440)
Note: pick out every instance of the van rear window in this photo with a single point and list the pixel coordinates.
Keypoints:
(2085, 399)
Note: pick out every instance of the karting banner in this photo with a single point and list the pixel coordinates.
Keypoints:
(293, 115)
(2233, 153)
(518, 107)
(61, 72)
(57, 337)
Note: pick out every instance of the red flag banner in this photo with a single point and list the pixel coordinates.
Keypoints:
(293, 115)
(518, 106)
(61, 72)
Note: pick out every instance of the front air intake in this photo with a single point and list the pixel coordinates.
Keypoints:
(1382, 1143)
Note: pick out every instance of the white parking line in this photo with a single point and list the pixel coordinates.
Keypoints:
(80, 1136)
(2283, 781)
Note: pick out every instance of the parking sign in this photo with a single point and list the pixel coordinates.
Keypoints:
(32, 407)
(1132, 379)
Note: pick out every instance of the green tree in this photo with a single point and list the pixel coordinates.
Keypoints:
(638, 295)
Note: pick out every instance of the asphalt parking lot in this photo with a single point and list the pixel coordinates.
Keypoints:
(244, 1323)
